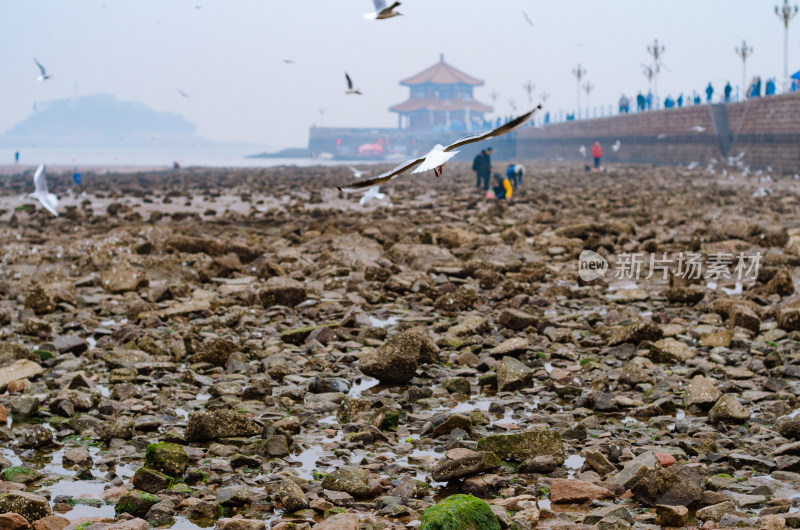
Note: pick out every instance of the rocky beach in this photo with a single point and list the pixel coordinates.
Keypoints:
(249, 349)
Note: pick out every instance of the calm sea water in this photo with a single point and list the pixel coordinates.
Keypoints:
(152, 157)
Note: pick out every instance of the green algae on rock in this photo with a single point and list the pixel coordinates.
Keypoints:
(460, 512)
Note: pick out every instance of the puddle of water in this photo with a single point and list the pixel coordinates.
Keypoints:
(202, 396)
(623, 284)
(361, 386)
(92, 342)
(385, 323)
(182, 413)
(104, 390)
(548, 366)
(329, 420)
(574, 463)
(544, 504)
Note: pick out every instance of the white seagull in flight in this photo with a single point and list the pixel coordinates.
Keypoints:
(350, 89)
(45, 76)
(182, 93)
(372, 193)
(357, 173)
(381, 11)
(48, 200)
(527, 18)
(582, 150)
(438, 156)
(616, 146)
(698, 129)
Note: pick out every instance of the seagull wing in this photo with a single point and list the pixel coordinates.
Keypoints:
(392, 7)
(349, 81)
(356, 172)
(45, 201)
(503, 129)
(39, 183)
(384, 177)
(380, 5)
(524, 14)
(41, 68)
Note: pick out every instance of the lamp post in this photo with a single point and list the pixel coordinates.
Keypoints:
(579, 73)
(529, 88)
(786, 13)
(744, 52)
(656, 51)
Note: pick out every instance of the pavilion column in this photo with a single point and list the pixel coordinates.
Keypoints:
(447, 119)
(399, 121)
(469, 119)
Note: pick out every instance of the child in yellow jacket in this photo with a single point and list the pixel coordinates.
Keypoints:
(503, 189)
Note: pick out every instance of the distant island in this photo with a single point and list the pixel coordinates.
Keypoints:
(291, 152)
(101, 120)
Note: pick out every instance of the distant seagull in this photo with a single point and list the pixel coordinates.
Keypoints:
(48, 200)
(762, 192)
(527, 18)
(381, 11)
(35, 109)
(288, 61)
(692, 165)
(184, 94)
(357, 173)
(698, 129)
(372, 193)
(350, 89)
(616, 146)
(437, 157)
(582, 151)
(661, 136)
(45, 76)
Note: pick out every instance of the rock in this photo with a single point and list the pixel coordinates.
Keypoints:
(13, 521)
(484, 485)
(282, 290)
(397, 359)
(474, 464)
(51, 522)
(744, 317)
(568, 491)
(526, 519)
(340, 521)
(613, 523)
(716, 511)
(168, 458)
(665, 459)
(35, 436)
(511, 347)
(121, 428)
(675, 485)
(122, 278)
(150, 480)
(421, 257)
(671, 515)
(31, 507)
(517, 320)
(728, 410)
(634, 333)
(464, 512)
(539, 464)
(789, 319)
(216, 424)
(19, 369)
(349, 479)
(670, 350)
(787, 427)
(715, 339)
(523, 446)
(701, 391)
(235, 496)
(240, 524)
(215, 351)
(70, 344)
(781, 284)
(598, 462)
(324, 384)
(291, 496)
(136, 503)
(39, 301)
(454, 421)
(614, 510)
(513, 375)
(161, 512)
(460, 300)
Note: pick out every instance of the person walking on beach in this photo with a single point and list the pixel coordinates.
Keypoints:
(597, 154)
(476, 166)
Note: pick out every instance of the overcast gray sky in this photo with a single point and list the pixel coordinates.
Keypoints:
(228, 54)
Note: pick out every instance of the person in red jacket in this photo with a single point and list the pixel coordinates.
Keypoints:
(597, 153)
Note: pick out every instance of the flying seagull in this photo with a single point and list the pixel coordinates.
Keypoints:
(698, 129)
(438, 156)
(182, 93)
(288, 61)
(616, 146)
(381, 11)
(48, 200)
(45, 76)
(527, 18)
(372, 193)
(350, 89)
(357, 173)
(582, 151)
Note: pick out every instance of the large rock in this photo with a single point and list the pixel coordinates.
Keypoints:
(511, 347)
(282, 290)
(728, 410)
(517, 320)
(513, 375)
(350, 479)
(215, 351)
(136, 503)
(635, 333)
(716, 511)
(701, 391)
(670, 350)
(340, 521)
(31, 507)
(240, 524)
(568, 491)
(671, 515)
(39, 301)
(463, 512)
(168, 458)
(204, 426)
(19, 369)
(466, 466)
(525, 445)
(397, 359)
(501, 258)
(789, 319)
(677, 485)
(421, 257)
(122, 278)
(291, 496)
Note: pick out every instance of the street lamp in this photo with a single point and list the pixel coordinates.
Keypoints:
(744, 52)
(656, 51)
(579, 73)
(786, 13)
(529, 88)
(649, 73)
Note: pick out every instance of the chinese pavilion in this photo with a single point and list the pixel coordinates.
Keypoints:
(440, 99)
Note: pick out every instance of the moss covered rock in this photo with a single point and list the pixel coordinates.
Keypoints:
(169, 458)
(137, 503)
(523, 446)
(460, 512)
(21, 474)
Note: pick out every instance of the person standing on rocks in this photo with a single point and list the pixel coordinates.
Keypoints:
(597, 154)
(476, 166)
(485, 169)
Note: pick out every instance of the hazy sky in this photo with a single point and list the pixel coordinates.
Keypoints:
(228, 54)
